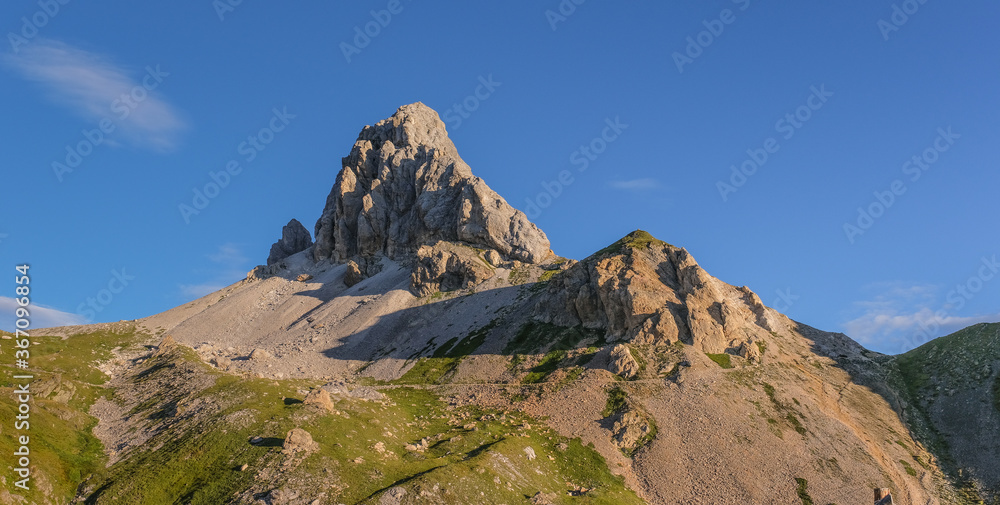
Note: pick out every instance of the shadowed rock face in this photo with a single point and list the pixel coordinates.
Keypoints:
(294, 239)
(404, 186)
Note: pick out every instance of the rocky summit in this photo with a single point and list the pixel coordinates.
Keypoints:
(430, 347)
(404, 186)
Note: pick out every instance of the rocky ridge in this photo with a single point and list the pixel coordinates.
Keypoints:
(644, 290)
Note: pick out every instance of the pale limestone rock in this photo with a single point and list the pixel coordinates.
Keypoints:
(353, 274)
(404, 186)
(320, 398)
(299, 440)
(622, 363)
(650, 292)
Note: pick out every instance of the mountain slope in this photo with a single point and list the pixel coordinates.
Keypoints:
(952, 388)
(435, 350)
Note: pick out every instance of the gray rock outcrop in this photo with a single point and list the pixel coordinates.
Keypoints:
(404, 186)
(446, 266)
(649, 292)
(295, 238)
(621, 362)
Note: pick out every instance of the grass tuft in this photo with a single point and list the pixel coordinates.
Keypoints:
(802, 489)
(617, 400)
(723, 360)
(637, 240)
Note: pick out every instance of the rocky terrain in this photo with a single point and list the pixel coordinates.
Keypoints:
(430, 347)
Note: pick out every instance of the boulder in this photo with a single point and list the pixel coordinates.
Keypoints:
(320, 398)
(750, 352)
(222, 363)
(299, 440)
(621, 362)
(394, 496)
(261, 272)
(260, 355)
(629, 430)
(353, 274)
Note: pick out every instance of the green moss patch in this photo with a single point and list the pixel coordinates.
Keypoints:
(535, 337)
(550, 363)
(637, 240)
(445, 360)
(617, 401)
(802, 489)
(724, 360)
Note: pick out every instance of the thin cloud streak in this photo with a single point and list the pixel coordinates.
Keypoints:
(89, 84)
(231, 267)
(40, 316)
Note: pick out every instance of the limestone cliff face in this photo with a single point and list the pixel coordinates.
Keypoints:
(404, 186)
(646, 290)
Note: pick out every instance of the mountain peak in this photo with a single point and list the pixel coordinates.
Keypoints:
(636, 240)
(412, 124)
(404, 186)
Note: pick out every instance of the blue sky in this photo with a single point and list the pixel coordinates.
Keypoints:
(116, 113)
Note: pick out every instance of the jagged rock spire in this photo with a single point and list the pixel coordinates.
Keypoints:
(404, 185)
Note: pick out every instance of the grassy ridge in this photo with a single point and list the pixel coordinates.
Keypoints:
(202, 430)
(362, 452)
(67, 382)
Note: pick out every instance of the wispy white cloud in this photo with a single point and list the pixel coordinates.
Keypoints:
(228, 254)
(40, 316)
(900, 316)
(636, 184)
(229, 264)
(92, 86)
